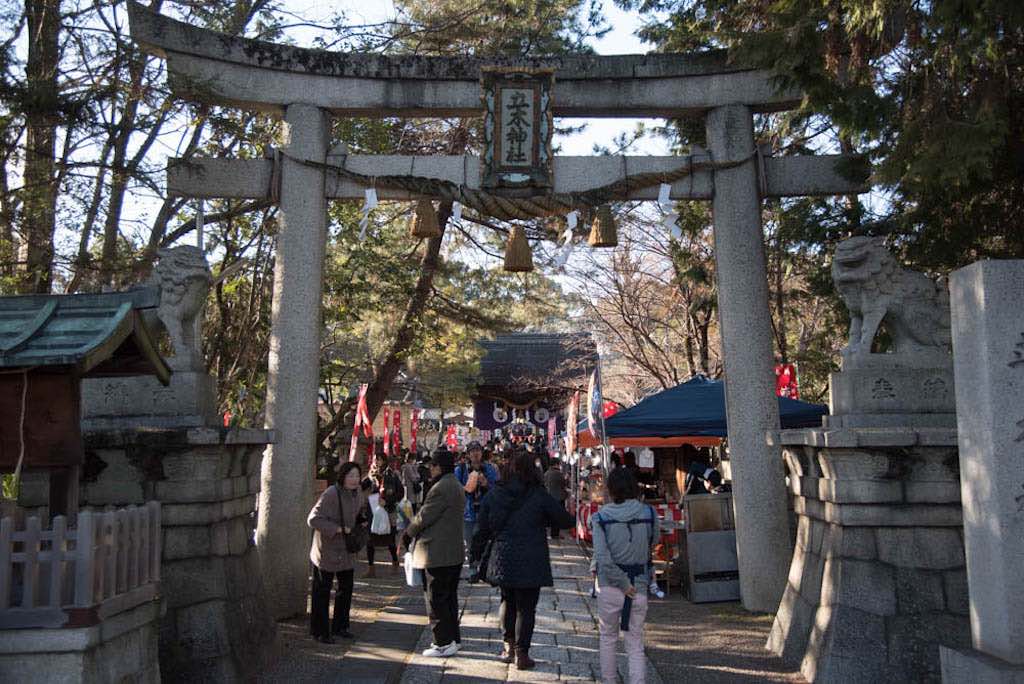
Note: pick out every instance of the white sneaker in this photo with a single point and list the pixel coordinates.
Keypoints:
(436, 651)
(656, 590)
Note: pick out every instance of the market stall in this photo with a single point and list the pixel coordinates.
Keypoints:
(658, 439)
(662, 434)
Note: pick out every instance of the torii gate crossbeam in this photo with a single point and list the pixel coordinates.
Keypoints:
(308, 86)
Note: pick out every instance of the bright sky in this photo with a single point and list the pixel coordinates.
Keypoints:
(619, 41)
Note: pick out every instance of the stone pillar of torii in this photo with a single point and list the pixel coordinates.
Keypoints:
(308, 87)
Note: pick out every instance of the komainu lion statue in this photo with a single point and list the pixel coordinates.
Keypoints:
(874, 286)
(184, 279)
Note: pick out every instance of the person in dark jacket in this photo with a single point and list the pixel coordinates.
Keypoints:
(554, 482)
(388, 485)
(516, 514)
(701, 479)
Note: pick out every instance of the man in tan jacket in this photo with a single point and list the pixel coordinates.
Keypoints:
(437, 530)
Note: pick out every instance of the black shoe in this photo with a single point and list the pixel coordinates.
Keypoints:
(343, 633)
(325, 639)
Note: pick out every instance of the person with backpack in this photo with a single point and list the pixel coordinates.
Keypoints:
(512, 549)
(624, 533)
(338, 520)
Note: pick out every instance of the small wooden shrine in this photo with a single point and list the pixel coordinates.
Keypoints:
(48, 343)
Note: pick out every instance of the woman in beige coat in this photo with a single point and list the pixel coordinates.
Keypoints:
(337, 512)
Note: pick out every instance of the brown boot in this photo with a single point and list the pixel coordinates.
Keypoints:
(508, 653)
(370, 572)
(523, 661)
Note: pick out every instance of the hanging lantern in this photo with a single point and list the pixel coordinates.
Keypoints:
(518, 257)
(603, 232)
(423, 224)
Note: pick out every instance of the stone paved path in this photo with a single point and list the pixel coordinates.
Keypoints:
(387, 618)
(565, 643)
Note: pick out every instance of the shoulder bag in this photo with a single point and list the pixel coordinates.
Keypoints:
(357, 538)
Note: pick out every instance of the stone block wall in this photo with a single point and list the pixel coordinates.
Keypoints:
(878, 579)
(215, 625)
(122, 648)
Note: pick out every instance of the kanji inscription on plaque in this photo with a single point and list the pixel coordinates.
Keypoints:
(517, 128)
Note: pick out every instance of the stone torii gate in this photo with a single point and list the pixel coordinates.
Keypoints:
(308, 87)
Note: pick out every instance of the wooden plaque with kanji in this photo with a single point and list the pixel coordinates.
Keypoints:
(517, 129)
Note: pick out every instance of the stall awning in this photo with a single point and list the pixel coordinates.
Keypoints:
(688, 412)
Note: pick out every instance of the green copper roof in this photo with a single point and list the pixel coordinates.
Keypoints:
(92, 334)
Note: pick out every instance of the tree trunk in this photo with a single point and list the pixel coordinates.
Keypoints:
(780, 301)
(40, 191)
(385, 374)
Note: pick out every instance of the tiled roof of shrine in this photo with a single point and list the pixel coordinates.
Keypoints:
(537, 360)
(91, 334)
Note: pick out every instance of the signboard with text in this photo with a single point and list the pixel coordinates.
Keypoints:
(518, 125)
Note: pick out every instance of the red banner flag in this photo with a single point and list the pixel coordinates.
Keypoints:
(570, 424)
(552, 434)
(785, 381)
(414, 428)
(362, 421)
(396, 431)
(387, 431)
(452, 438)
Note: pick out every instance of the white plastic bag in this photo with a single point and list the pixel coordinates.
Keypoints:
(405, 514)
(381, 522)
(413, 577)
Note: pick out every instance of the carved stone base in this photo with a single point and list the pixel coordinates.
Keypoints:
(878, 579)
(114, 403)
(978, 668)
(216, 625)
(892, 397)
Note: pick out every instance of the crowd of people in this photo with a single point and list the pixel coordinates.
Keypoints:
(492, 512)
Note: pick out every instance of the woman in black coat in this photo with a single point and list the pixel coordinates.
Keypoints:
(517, 514)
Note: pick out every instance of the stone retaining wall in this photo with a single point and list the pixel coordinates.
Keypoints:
(878, 579)
(216, 625)
(122, 648)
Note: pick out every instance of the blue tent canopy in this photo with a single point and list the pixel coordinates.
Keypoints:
(696, 408)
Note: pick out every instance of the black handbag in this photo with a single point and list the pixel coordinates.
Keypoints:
(355, 541)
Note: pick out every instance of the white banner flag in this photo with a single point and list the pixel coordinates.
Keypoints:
(595, 404)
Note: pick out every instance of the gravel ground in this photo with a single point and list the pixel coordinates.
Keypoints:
(711, 642)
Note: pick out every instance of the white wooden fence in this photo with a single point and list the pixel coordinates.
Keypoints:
(108, 563)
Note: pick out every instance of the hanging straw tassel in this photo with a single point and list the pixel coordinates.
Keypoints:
(518, 257)
(603, 232)
(423, 224)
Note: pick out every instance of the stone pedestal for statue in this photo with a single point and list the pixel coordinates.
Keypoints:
(988, 344)
(215, 624)
(878, 578)
(148, 442)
